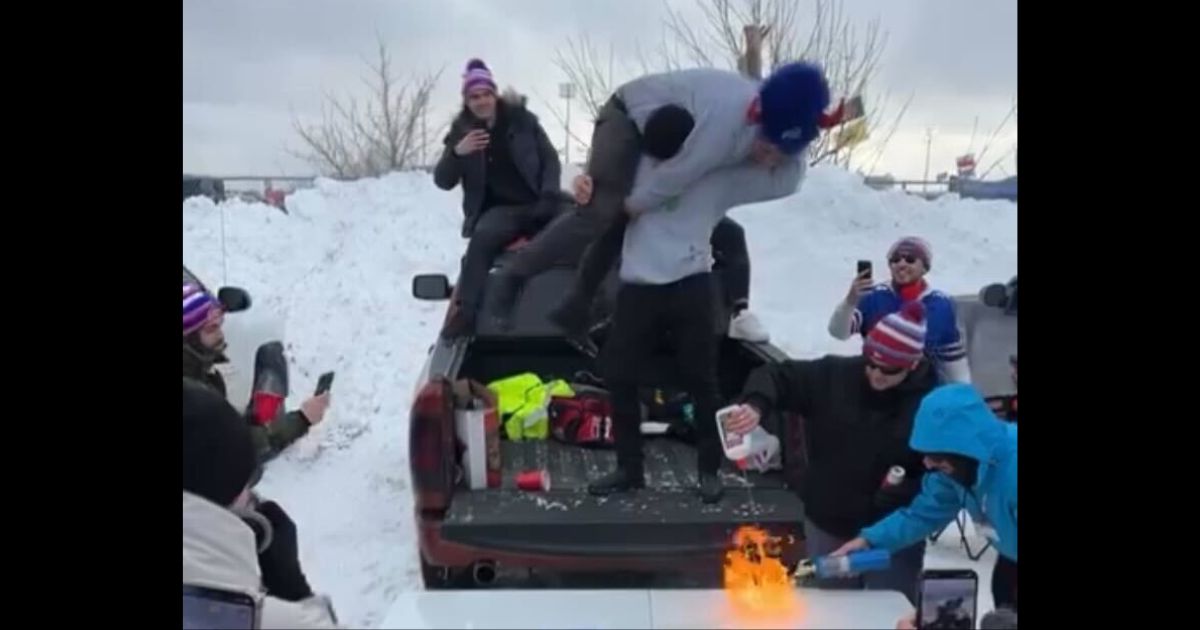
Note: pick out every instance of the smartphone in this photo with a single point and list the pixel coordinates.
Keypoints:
(947, 599)
(324, 383)
(217, 608)
(864, 266)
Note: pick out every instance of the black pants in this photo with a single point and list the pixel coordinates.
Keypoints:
(644, 315)
(612, 165)
(496, 228)
(1004, 583)
(731, 255)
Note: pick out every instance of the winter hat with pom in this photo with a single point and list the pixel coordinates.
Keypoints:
(791, 103)
(198, 304)
(898, 340)
(913, 246)
(477, 75)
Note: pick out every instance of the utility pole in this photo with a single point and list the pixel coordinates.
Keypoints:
(567, 92)
(928, 147)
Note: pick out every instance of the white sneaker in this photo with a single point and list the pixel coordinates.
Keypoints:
(745, 326)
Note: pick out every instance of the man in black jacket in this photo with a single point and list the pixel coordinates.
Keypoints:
(858, 414)
(510, 177)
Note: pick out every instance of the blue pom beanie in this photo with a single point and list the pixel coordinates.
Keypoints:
(791, 102)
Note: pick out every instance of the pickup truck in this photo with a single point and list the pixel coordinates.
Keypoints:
(464, 535)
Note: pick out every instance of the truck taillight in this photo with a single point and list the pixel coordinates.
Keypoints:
(431, 441)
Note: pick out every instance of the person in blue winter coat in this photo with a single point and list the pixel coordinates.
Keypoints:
(974, 458)
(909, 260)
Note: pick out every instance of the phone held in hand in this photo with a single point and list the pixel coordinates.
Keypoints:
(218, 608)
(324, 383)
(947, 599)
(864, 266)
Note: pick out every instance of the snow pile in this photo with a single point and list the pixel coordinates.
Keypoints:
(337, 270)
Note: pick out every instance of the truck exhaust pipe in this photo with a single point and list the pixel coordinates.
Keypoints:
(483, 572)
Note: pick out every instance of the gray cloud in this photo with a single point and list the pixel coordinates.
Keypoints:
(249, 66)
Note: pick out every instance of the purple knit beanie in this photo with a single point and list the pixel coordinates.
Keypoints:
(197, 305)
(477, 75)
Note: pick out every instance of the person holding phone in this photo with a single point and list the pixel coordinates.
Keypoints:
(857, 416)
(510, 175)
(973, 458)
(231, 541)
(204, 348)
(866, 303)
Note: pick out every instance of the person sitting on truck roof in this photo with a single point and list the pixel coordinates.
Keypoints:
(857, 414)
(973, 458)
(510, 175)
(666, 290)
(736, 119)
(225, 528)
(909, 260)
(204, 348)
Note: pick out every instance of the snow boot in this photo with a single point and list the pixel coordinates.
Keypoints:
(503, 297)
(619, 480)
(747, 327)
(572, 316)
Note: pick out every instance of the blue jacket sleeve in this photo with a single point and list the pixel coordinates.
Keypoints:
(932, 509)
(867, 311)
(944, 341)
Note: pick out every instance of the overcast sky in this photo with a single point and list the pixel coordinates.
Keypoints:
(250, 66)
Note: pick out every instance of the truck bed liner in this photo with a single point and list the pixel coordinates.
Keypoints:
(665, 518)
(669, 464)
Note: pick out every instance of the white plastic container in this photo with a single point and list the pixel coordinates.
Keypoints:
(755, 449)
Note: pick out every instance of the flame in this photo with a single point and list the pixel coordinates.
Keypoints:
(757, 581)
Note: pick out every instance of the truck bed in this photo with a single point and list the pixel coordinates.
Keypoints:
(665, 518)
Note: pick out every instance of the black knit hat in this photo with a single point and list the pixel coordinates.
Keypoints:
(218, 453)
(665, 131)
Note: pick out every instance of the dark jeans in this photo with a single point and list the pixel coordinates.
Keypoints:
(731, 255)
(612, 165)
(496, 228)
(1004, 583)
(904, 575)
(644, 315)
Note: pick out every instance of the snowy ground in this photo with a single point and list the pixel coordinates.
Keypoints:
(338, 271)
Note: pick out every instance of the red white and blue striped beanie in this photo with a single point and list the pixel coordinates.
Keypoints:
(913, 246)
(197, 305)
(476, 75)
(898, 340)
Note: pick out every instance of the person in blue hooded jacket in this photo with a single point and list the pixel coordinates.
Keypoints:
(974, 458)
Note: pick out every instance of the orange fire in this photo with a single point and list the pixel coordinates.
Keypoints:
(756, 579)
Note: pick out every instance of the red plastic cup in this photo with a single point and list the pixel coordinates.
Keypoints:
(534, 480)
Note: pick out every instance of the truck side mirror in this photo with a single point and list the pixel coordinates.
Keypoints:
(994, 295)
(233, 299)
(431, 286)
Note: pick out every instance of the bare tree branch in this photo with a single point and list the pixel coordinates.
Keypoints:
(369, 138)
(561, 118)
(849, 53)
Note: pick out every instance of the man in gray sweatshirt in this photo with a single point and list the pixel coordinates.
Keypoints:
(666, 290)
(735, 119)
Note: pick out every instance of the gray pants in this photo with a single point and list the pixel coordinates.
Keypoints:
(903, 575)
(612, 165)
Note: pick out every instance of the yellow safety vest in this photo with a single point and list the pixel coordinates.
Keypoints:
(523, 400)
